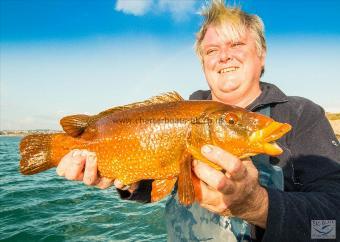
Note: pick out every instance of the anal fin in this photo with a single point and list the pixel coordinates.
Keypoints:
(161, 188)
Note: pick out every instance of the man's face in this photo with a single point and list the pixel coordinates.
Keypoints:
(231, 67)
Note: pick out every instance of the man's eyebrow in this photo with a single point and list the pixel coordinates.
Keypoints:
(226, 41)
(210, 45)
(237, 40)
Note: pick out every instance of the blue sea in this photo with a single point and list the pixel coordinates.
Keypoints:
(45, 207)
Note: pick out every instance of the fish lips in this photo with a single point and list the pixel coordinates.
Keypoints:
(268, 135)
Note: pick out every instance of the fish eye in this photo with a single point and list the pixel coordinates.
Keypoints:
(231, 118)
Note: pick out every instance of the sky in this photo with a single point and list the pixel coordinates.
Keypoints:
(62, 57)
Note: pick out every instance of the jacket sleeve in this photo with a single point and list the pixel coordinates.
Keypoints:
(141, 194)
(291, 213)
(316, 169)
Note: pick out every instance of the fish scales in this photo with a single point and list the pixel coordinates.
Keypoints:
(144, 143)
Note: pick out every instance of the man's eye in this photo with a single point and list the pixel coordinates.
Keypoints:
(211, 51)
(237, 44)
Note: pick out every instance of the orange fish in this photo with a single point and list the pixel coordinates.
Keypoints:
(155, 139)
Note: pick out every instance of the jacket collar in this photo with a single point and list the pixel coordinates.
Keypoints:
(270, 94)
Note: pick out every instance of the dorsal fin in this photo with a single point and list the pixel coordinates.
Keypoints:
(162, 98)
(75, 125)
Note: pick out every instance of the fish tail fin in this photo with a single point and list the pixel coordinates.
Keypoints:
(40, 152)
(186, 192)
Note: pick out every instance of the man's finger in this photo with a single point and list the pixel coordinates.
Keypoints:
(207, 174)
(80, 177)
(230, 163)
(222, 211)
(91, 170)
(76, 165)
(63, 164)
(118, 184)
(207, 194)
(104, 183)
(213, 178)
(211, 199)
(133, 187)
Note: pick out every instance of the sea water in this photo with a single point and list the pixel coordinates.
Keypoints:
(46, 207)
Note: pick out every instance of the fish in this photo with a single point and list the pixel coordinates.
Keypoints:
(155, 139)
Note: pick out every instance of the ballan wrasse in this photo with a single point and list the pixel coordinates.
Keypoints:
(155, 139)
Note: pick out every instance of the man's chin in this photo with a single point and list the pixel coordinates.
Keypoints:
(228, 86)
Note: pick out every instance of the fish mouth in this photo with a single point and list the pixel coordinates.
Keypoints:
(266, 137)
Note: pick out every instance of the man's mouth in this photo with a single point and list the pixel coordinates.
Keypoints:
(228, 69)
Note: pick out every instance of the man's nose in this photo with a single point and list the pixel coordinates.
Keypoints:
(225, 55)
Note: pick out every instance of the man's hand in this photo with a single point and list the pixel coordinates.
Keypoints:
(235, 191)
(81, 165)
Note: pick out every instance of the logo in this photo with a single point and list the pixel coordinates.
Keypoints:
(323, 229)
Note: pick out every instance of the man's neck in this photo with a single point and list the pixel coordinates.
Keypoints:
(238, 100)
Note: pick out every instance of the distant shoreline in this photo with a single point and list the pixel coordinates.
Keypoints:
(21, 133)
(13, 135)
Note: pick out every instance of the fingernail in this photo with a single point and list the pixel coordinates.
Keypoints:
(206, 149)
(76, 153)
(93, 156)
(118, 183)
(126, 187)
(90, 157)
(84, 153)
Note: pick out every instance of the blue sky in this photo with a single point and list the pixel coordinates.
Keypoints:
(61, 57)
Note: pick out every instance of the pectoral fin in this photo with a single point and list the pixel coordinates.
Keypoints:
(186, 192)
(161, 188)
(197, 187)
(196, 153)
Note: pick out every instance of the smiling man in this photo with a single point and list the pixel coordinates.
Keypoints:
(233, 58)
(258, 199)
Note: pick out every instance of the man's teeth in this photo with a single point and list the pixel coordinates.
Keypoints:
(229, 69)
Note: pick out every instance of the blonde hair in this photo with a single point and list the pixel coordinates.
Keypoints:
(234, 22)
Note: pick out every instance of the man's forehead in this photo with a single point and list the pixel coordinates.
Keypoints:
(224, 33)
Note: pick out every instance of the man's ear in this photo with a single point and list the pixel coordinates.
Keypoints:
(263, 58)
(200, 58)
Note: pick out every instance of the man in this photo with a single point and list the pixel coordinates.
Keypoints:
(238, 204)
